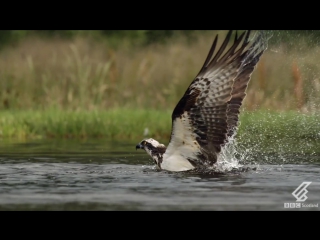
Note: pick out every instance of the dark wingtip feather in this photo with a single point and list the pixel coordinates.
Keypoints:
(213, 47)
(246, 39)
(222, 48)
(236, 37)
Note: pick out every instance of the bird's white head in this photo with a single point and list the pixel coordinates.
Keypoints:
(154, 149)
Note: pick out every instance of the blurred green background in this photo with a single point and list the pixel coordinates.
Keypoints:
(110, 81)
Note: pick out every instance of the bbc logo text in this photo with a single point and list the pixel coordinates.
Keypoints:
(299, 205)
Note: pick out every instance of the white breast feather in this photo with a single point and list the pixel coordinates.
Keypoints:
(183, 144)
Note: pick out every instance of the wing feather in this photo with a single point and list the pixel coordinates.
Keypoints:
(208, 112)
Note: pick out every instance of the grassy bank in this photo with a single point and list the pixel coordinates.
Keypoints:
(278, 131)
(120, 124)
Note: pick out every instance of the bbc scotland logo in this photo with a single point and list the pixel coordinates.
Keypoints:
(300, 193)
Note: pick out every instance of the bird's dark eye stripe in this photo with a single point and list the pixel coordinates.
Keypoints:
(149, 145)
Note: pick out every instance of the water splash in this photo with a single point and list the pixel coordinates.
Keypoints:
(230, 156)
(274, 139)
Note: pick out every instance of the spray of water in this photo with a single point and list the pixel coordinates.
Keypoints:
(230, 156)
(275, 139)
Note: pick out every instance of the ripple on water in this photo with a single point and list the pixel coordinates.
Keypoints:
(97, 180)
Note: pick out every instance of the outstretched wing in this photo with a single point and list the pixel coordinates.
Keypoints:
(208, 112)
(242, 79)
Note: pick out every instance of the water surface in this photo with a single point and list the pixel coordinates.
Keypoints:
(111, 175)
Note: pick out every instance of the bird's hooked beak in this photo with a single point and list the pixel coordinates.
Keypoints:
(139, 146)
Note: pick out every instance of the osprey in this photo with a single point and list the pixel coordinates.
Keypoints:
(207, 114)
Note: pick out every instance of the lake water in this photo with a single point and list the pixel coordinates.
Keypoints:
(105, 175)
